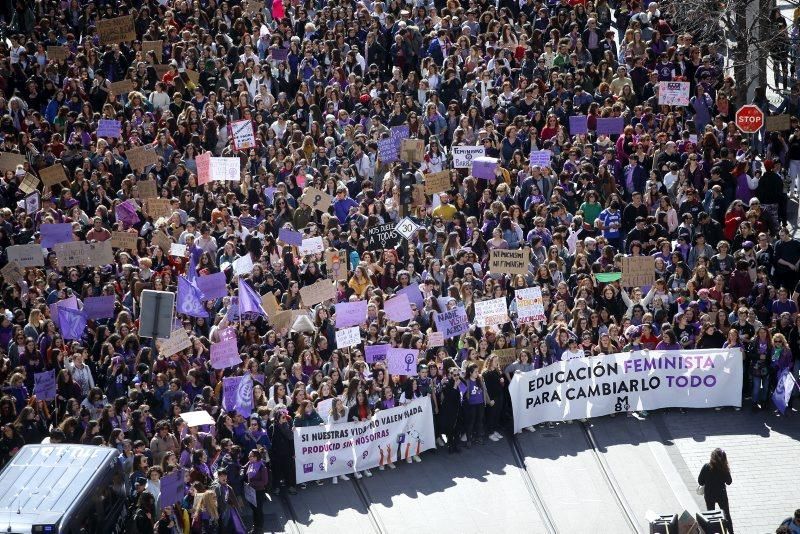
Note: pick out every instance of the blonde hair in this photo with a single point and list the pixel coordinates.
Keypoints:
(206, 502)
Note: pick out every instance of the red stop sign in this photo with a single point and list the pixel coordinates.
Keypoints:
(749, 119)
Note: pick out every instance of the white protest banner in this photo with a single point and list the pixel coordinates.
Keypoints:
(463, 155)
(348, 337)
(642, 380)
(312, 245)
(390, 435)
(530, 306)
(452, 323)
(491, 312)
(243, 137)
(673, 93)
(224, 169)
(400, 361)
(197, 418)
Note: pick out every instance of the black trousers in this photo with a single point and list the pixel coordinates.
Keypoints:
(722, 502)
(258, 513)
(282, 470)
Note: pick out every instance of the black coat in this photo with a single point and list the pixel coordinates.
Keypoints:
(714, 482)
(449, 406)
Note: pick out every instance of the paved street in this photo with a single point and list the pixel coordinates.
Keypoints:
(653, 464)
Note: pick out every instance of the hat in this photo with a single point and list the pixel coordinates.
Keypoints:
(747, 245)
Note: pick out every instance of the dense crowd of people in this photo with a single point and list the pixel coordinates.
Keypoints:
(323, 85)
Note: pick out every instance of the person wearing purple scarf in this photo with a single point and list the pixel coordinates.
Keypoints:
(257, 476)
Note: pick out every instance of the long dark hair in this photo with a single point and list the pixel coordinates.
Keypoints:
(719, 461)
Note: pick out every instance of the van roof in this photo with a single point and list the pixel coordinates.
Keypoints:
(33, 484)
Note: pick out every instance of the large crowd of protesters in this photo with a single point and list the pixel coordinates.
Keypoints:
(322, 83)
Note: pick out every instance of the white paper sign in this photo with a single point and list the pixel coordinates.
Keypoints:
(224, 169)
(491, 312)
(348, 337)
(406, 227)
(243, 265)
(243, 137)
(176, 249)
(463, 155)
(530, 306)
(198, 418)
(673, 93)
(312, 245)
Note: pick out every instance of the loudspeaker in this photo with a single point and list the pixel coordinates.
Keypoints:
(711, 522)
(664, 524)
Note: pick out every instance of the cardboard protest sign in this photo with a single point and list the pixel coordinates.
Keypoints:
(403, 362)
(224, 169)
(509, 261)
(336, 264)
(225, 354)
(778, 123)
(452, 323)
(270, 304)
(412, 150)
(162, 240)
(141, 157)
(99, 307)
(351, 313)
(491, 312)
(530, 305)
(285, 319)
(156, 47)
(375, 353)
(12, 272)
(319, 291)
(124, 240)
(348, 337)
(312, 245)
(505, 357)
(99, 254)
(29, 184)
(382, 236)
(158, 207)
(10, 160)
(638, 271)
(147, 189)
(193, 76)
(463, 155)
(26, 255)
(121, 87)
(177, 341)
(70, 254)
(53, 175)
(317, 199)
(161, 70)
(57, 53)
(116, 30)
(398, 308)
(436, 182)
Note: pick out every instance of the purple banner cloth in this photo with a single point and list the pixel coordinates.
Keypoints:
(71, 303)
(109, 128)
(578, 124)
(126, 212)
(173, 488)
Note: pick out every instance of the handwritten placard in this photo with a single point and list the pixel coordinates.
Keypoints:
(436, 182)
(124, 240)
(111, 128)
(116, 30)
(99, 254)
(26, 255)
(141, 157)
(638, 271)
(312, 245)
(509, 261)
(336, 264)
(147, 189)
(9, 161)
(319, 291)
(53, 175)
(348, 337)
(270, 304)
(29, 184)
(70, 254)
(158, 207)
(157, 47)
(121, 87)
(178, 340)
(57, 53)
(12, 272)
(412, 150)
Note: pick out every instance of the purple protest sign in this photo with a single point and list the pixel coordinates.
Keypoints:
(452, 323)
(44, 385)
(400, 361)
(279, 54)
(578, 124)
(212, 286)
(351, 313)
(610, 126)
(484, 167)
(290, 237)
(71, 303)
(388, 150)
(414, 295)
(99, 307)
(228, 333)
(375, 353)
(173, 488)
(53, 234)
(398, 308)
(109, 128)
(225, 354)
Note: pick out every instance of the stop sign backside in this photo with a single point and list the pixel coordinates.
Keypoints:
(749, 119)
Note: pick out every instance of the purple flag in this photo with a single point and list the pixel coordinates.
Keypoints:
(71, 303)
(375, 353)
(783, 390)
(73, 323)
(212, 286)
(173, 488)
(99, 307)
(126, 212)
(44, 385)
(189, 300)
(237, 394)
(249, 300)
(53, 234)
(351, 313)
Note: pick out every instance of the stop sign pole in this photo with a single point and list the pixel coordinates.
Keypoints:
(749, 119)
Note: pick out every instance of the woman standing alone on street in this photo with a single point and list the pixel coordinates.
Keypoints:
(714, 477)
